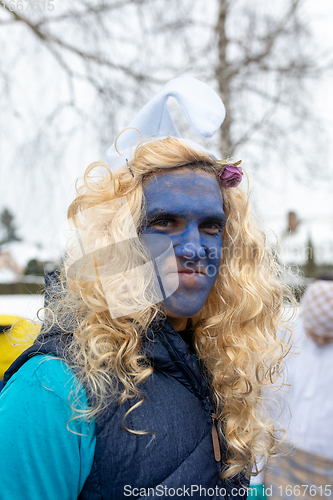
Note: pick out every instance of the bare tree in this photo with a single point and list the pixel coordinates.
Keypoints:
(265, 68)
(93, 64)
(8, 227)
(106, 50)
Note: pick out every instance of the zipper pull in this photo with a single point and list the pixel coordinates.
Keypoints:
(215, 438)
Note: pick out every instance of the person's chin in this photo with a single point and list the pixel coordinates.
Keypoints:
(181, 305)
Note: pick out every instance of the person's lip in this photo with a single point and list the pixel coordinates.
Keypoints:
(191, 271)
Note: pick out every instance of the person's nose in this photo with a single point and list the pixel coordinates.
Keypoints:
(189, 245)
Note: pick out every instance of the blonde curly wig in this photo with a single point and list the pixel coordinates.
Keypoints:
(235, 333)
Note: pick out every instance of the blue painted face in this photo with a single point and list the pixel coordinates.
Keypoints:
(187, 206)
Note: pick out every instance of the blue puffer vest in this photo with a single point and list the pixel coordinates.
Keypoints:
(175, 457)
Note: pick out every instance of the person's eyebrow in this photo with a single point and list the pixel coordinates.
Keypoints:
(160, 212)
(157, 212)
(218, 217)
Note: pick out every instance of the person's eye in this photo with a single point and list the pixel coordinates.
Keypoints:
(212, 227)
(162, 223)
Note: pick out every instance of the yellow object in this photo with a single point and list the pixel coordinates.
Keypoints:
(20, 335)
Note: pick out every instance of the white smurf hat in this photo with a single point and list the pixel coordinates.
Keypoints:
(201, 105)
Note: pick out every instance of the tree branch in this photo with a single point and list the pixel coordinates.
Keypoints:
(270, 39)
(47, 38)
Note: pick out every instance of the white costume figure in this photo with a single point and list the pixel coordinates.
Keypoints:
(308, 405)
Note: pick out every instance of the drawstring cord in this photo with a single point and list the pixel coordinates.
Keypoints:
(215, 438)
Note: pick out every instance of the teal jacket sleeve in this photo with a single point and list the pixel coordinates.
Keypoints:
(46, 454)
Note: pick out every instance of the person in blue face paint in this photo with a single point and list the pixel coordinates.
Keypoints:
(159, 335)
(193, 219)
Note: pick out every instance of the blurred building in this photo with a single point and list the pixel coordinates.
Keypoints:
(308, 244)
(22, 267)
(9, 269)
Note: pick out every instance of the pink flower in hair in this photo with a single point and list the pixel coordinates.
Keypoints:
(230, 174)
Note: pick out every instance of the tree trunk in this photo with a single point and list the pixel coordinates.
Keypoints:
(222, 76)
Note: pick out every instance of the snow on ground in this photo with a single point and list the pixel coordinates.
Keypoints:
(25, 306)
